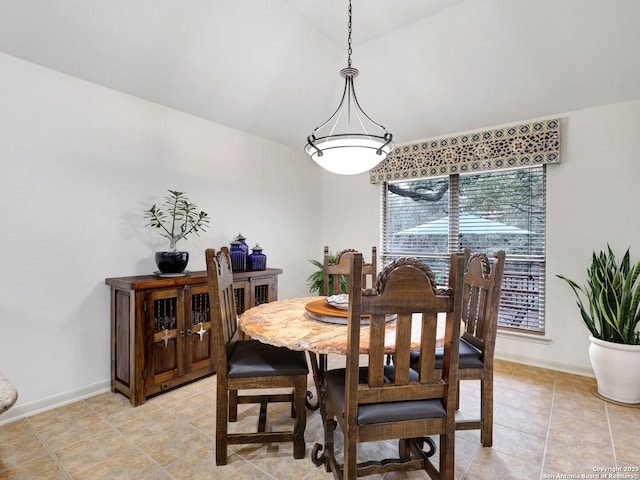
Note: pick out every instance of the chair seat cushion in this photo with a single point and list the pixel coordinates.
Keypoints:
(380, 412)
(470, 357)
(252, 358)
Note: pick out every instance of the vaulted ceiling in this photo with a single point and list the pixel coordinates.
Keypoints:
(270, 67)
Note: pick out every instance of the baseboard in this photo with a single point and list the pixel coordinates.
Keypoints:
(19, 411)
(551, 365)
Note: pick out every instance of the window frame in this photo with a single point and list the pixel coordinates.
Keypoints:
(529, 291)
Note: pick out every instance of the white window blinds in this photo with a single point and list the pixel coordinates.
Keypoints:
(486, 212)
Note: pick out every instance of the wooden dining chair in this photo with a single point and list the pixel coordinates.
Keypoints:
(250, 365)
(383, 402)
(335, 272)
(482, 290)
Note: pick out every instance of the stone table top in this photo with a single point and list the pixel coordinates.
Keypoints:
(8, 394)
(286, 323)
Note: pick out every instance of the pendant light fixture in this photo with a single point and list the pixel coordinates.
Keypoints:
(350, 141)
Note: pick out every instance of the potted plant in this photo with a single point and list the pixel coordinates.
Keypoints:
(316, 279)
(609, 304)
(176, 219)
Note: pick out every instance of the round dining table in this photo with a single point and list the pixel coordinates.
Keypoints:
(289, 323)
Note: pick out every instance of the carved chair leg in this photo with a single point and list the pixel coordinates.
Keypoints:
(221, 425)
(350, 459)
(447, 464)
(300, 394)
(486, 411)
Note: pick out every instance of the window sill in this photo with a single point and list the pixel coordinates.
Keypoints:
(525, 337)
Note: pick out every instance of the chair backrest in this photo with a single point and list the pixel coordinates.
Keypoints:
(481, 304)
(334, 272)
(224, 319)
(404, 288)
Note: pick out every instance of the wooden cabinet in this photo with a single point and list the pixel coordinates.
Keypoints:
(160, 330)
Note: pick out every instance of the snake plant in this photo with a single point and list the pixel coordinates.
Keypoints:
(610, 301)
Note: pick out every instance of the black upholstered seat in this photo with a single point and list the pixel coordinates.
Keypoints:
(470, 357)
(252, 358)
(386, 412)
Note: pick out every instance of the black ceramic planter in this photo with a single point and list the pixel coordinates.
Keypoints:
(172, 262)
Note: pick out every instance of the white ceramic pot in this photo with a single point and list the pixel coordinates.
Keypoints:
(617, 370)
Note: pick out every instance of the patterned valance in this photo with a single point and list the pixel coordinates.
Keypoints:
(521, 145)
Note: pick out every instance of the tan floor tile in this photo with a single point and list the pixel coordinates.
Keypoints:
(314, 430)
(572, 400)
(116, 408)
(201, 465)
(528, 385)
(81, 455)
(122, 465)
(469, 405)
(536, 403)
(193, 407)
(142, 428)
(472, 436)
(205, 423)
(283, 466)
(158, 475)
(569, 426)
(65, 413)
(623, 414)
(41, 468)
(568, 381)
(205, 386)
(174, 443)
(577, 458)
(318, 474)
(465, 451)
(10, 430)
(19, 444)
(492, 464)
(67, 431)
(627, 446)
(526, 447)
(522, 420)
(503, 367)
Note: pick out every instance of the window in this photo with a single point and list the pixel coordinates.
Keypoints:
(497, 210)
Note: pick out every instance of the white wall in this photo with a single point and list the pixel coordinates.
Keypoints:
(80, 163)
(350, 213)
(591, 200)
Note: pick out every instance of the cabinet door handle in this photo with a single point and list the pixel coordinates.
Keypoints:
(181, 333)
(189, 332)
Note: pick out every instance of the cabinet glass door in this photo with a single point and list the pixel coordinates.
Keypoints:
(166, 351)
(199, 343)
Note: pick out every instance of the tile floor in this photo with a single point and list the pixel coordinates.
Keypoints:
(547, 425)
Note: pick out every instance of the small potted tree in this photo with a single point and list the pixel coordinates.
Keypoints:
(176, 219)
(609, 304)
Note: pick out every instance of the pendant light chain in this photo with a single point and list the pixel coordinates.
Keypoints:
(349, 49)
